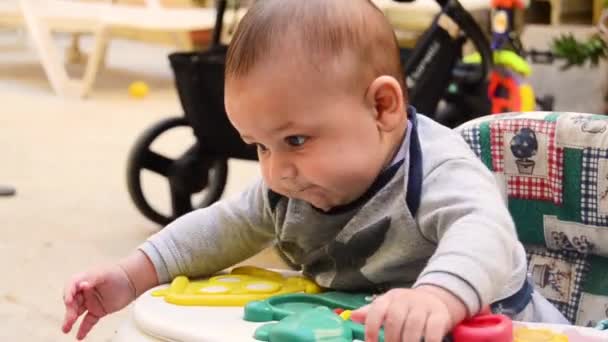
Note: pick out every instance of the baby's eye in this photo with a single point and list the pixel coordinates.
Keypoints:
(296, 140)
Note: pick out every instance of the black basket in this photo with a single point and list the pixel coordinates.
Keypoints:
(199, 79)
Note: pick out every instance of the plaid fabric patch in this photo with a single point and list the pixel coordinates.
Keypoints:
(528, 187)
(589, 193)
(580, 267)
(471, 136)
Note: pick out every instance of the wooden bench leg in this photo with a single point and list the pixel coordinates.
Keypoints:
(52, 62)
(96, 60)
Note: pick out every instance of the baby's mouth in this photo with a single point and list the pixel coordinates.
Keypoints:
(304, 188)
(298, 192)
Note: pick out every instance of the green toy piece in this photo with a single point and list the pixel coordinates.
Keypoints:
(307, 318)
(602, 325)
(506, 58)
(312, 325)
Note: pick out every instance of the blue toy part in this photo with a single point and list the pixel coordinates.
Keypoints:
(602, 325)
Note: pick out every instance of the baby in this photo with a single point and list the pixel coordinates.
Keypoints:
(357, 188)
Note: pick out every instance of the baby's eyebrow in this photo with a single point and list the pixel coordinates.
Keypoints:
(282, 127)
(274, 130)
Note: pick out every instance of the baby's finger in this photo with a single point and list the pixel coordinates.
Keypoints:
(414, 326)
(73, 309)
(375, 318)
(87, 324)
(79, 299)
(360, 314)
(70, 290)
(81, 310)
(437, 326)
(69, 318)
(395, 320)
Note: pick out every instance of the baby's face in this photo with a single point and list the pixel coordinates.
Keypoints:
(316, 141)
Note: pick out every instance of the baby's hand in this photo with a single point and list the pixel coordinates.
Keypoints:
(97, 294)
(410, 314)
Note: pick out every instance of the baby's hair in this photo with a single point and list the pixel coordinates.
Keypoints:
(318, 31)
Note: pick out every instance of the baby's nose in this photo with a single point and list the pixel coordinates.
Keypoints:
(283, 170)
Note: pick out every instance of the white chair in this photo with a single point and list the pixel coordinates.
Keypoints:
(42, 17)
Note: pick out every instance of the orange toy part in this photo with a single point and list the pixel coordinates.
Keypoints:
(507, 4)
(511, 103)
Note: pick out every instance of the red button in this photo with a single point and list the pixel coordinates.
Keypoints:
(484, 328)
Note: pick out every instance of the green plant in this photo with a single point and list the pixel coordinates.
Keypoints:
(578, 53)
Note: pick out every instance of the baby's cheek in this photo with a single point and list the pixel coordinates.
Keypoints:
(266, 176)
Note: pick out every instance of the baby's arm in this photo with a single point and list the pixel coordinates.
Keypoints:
(211, 239)
(200, 243)
(463, 211)
(140, 271)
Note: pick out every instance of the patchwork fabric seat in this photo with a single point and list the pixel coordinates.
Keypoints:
(553, 169)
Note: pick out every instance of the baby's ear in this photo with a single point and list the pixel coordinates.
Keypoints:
(386, 97)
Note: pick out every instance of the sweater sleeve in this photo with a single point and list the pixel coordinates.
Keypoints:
(210, 239)
(463, 211)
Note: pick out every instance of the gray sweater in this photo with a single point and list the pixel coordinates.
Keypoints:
(460, 237)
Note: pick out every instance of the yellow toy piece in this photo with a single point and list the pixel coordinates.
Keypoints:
(139, 89)
(528, 100)
(522, 334)
(506, 58)
(241, 286)
(346, 314)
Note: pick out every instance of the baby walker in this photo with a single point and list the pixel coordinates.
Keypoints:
(199, 78)
(254, 304)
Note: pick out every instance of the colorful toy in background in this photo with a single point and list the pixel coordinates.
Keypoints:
(503, 21)
(139, 89)
(508, 89)
(241, 286)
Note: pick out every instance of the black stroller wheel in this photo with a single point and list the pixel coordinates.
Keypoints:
(190, 174)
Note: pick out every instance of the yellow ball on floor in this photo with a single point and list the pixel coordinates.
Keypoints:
(138, 89)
